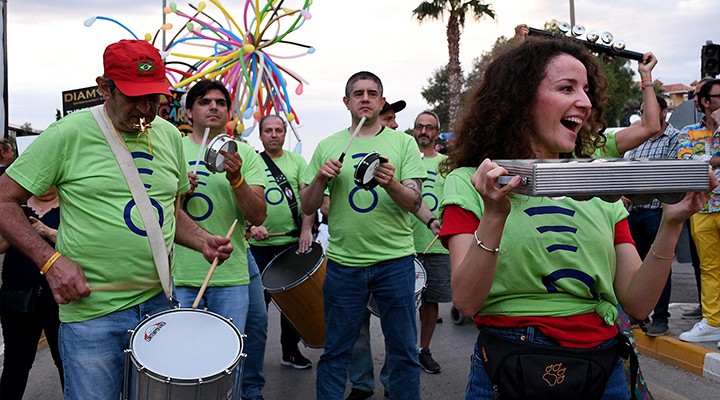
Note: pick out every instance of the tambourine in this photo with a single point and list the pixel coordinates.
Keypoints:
(365, 172)
(214, 161)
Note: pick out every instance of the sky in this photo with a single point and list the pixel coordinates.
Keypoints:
(49, 50)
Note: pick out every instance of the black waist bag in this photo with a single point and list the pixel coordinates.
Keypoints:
(522, 370)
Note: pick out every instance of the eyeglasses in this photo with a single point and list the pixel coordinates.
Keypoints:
(713, 95)
(428, 127)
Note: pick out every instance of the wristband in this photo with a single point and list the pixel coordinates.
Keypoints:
(482, 246)
(237, 185)
(658, 256)
(50, 262)
(430, 221)
(646, 80)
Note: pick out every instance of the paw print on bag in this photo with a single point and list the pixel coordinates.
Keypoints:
(554, 374)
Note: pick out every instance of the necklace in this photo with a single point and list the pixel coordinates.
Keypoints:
(145, 130)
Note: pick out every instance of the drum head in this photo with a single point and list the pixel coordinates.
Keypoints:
(365, 172)
(186, 344)
(289, 268)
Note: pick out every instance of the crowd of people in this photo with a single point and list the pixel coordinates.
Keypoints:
(123, 220)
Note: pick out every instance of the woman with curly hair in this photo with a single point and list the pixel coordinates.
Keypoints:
(542, 276)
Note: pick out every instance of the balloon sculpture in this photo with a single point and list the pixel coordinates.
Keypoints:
(237, 55)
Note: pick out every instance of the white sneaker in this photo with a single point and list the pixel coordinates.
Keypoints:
(701, 332)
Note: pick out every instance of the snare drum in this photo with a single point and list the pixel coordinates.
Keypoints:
(420, 281)
(214, 161)
(365, 172)
(294, 282)
(183, 354)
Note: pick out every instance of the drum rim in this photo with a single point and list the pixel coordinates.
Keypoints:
(221, 138)
(300, 280)
(418, 293)
(372, 183)
(154, 374)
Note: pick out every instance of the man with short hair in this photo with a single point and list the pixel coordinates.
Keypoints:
(361, 373)
(215, 203)
(435, 258)
(644, 219)
(371, 250)
(103, 274)
(701, 141)
(280, 219)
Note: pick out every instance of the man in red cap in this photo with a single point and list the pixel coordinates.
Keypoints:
(103, 273)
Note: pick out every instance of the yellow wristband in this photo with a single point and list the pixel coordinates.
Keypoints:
(49, 263)
(237, 185)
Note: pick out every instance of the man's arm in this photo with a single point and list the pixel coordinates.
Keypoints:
(65, 277)
(251, 202)
(425, 215)
(189, 234)
(311, 196)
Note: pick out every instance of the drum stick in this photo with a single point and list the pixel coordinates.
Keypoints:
(431, 243)
(211, 271)
(197, 160)
(354, 135)
(123, 286)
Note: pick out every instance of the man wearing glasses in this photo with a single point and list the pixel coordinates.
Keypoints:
(701, 141)
(436, 258)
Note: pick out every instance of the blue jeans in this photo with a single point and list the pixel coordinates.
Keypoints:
(253, 378)
(345, 295)
(361, 371)
(480, 387)
(644, 225)
(93, 351)
(229, 301)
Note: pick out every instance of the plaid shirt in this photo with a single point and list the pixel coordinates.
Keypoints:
(664, 147)
(697, 141)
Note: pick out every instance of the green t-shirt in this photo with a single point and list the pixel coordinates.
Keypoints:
(279, 218)
(609, 150)
(432, 188)
(366, 226)
(213, 206)
(557, 256)
(100, 227)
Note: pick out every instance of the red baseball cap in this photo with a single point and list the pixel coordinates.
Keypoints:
(136, 68)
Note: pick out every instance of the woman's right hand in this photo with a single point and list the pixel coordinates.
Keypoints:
(495, 197)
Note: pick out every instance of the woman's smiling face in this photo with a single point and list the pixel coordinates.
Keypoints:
(561, 106)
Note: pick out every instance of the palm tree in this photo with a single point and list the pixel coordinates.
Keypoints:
(457, 9)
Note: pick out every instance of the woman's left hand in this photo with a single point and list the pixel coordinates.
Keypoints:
(691, 203)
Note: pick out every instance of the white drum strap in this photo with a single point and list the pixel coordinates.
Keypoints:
(142, 201)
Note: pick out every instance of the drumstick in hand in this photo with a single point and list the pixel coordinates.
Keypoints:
(354, 135)
(200, 152)
(211, 271)
(431, 243)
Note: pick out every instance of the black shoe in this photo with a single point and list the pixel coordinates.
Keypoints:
(695, 313)
(657, 328)
(358, 394)
(636, 323)
(296, 360)
(386, 394)
(427, 362)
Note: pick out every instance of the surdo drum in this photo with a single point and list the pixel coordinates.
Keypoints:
(183, 354)
(420, 281)
(214, 161)
(365, 172)
(294, 282)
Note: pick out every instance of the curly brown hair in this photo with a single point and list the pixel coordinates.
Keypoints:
(497, 121)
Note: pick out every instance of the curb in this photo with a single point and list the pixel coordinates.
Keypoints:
(690, 357)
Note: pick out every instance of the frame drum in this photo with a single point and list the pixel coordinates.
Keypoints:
(365, 171)
(183, 354)
(420, 281)
(294, 282)
(214, 161)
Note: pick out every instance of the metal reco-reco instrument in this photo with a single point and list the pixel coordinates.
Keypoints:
(640, 180)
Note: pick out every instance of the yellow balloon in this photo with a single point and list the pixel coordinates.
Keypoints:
(248, 48)
(291, 117)
(201, 6)
(148, 37)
